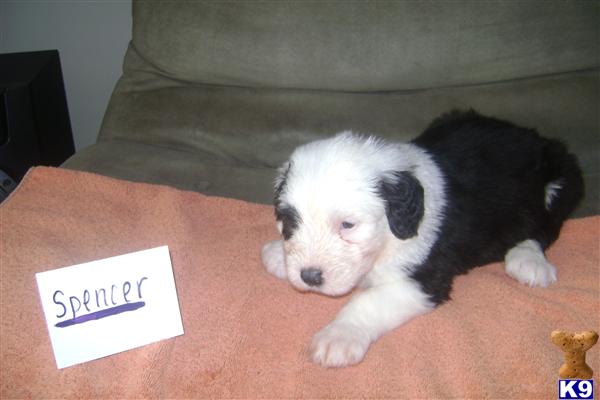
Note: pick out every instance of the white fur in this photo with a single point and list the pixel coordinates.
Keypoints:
(273, 258)
(527, 263)
(551, 192)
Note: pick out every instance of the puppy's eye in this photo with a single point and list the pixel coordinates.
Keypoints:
(347, 225)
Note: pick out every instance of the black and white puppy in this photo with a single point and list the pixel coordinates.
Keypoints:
(400, 221)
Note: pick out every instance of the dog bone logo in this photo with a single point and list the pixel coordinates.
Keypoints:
(574, 345)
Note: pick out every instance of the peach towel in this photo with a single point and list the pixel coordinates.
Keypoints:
(246, 332)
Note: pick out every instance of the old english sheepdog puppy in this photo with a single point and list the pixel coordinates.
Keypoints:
(400, 221)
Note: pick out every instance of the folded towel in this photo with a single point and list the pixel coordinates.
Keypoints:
(247, 332)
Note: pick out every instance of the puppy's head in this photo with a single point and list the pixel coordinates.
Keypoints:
(339, 203)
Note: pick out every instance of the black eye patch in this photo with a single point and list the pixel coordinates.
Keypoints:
(289, 218)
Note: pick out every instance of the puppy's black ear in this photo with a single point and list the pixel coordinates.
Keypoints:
(404, 207)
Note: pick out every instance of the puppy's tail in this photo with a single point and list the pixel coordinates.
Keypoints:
(564, 186)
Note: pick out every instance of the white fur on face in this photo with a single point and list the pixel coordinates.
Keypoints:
(332, 185)
(343, 230)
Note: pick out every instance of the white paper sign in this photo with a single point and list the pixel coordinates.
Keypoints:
(108, 306)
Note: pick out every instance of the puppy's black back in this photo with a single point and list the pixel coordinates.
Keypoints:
(496, 175)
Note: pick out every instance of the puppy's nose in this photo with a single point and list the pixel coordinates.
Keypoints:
(312, 276)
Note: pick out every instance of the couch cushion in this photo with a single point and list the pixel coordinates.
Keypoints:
(260, 127)
(364, 46)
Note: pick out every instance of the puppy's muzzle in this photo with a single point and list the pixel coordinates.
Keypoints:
(312, 276)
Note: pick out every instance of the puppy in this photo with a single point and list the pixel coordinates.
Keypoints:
(400, 221)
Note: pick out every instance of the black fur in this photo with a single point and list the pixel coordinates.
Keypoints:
(289, 218)
(287, 214)
(282, 184)
(495, 177)
(403, 204)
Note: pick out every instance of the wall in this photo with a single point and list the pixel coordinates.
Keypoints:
(91, 37)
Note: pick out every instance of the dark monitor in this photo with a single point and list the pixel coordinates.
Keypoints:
(34, 120)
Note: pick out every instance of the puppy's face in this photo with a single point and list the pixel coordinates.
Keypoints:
(333, 229)
(332, 203)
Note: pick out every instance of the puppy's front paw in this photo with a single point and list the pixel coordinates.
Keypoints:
(339, 345)
(273, 258)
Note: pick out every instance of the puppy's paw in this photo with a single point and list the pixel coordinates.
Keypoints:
(273, 258)
(339, 345)
(527, 264)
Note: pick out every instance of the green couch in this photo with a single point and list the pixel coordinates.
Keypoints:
(215, 95)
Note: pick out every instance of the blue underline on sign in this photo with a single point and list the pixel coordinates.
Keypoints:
(101, 314)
